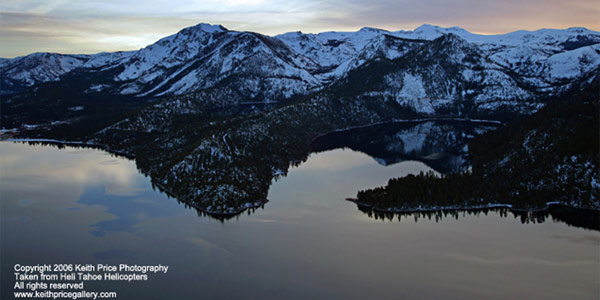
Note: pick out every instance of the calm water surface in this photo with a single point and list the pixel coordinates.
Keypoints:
(86, 206)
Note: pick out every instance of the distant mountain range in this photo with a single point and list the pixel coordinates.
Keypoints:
(490, 71)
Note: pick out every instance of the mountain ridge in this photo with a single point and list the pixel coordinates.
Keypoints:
(318, 58)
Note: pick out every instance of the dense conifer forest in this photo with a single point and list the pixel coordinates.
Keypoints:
(550, 157)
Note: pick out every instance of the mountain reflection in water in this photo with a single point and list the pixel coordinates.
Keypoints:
(442, 145)
(87, 206)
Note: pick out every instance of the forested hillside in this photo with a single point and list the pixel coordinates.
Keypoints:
(550, 157)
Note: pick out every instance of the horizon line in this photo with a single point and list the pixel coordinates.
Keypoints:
(299, 31)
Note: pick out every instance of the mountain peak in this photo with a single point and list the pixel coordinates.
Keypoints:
(371, 29)
(427, 27)
(435, 28)
(208, 27)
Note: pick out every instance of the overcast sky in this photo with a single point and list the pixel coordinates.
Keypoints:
(91, 26)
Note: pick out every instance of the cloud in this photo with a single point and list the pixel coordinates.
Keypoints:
(24, 33)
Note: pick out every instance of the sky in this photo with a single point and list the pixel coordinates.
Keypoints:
(92, 26)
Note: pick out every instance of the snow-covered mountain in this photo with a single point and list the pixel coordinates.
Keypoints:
(519, 49)
(25, 71)
(196, 58)
(442, 66)
(35, 68)
(434, 67)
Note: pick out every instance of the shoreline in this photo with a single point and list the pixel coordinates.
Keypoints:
(469, 208)
(222, 215)
(70, 143)
(422, 120)
(219, 215)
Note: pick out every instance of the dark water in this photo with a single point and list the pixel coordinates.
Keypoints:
(85, 206)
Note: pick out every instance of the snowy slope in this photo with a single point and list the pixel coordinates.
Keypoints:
(202, 56)
(435, 67)
(551, 39)
(330, 49)
(538, 56)
(25, 71)
(105, 58)
(339, 52)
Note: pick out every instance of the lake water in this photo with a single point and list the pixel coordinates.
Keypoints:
(86, 206)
